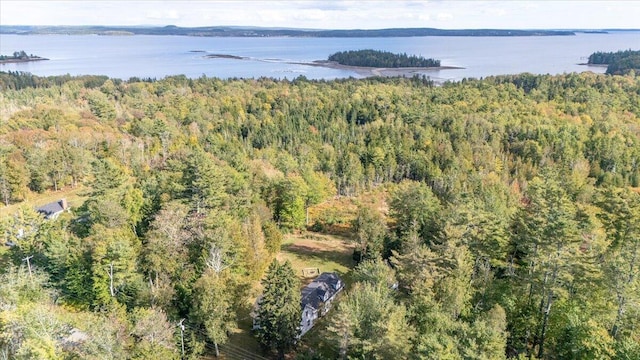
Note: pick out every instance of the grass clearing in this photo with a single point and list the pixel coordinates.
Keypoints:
(75, 197)
(335, 215)
(328, 253)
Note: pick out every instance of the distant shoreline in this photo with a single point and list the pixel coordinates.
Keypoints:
(12, 61)
(239, 31)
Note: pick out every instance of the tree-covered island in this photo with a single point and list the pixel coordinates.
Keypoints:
(619, 62)
(381, 59)
(19, 56)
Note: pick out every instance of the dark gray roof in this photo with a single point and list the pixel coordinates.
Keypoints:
(51, 208)
(313, 293)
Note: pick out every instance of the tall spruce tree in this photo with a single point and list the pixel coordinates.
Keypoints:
(279, 313)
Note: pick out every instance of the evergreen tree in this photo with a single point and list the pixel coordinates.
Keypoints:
(370, 231)
(279, 313)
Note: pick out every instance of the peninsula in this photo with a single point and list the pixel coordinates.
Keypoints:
(618, 63)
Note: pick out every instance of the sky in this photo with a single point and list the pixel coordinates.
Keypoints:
(329, 14)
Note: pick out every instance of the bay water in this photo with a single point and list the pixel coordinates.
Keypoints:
(279, 57)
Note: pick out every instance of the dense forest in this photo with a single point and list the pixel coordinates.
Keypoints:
(619, 62)
(382, 59)
(508, 224)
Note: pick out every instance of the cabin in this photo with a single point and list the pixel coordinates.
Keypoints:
(315, 302)
(54, 209)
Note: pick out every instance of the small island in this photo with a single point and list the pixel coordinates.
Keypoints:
(381, 59)
(618, 63)
(19, 56)
(225, 56)
(380, 63)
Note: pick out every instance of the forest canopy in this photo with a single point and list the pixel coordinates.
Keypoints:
(507, 223)
(376, 58)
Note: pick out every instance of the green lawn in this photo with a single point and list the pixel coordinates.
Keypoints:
(75, 197)
(328, 253)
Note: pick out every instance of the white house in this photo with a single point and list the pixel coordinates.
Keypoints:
(316, 299)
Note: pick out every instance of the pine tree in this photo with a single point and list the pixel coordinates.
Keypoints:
(279, 315)
(370, 229)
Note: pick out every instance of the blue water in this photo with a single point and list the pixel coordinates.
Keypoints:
(160, 56)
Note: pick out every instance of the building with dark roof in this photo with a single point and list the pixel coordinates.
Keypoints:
(54, 209)
(315, 301)
(317, 298)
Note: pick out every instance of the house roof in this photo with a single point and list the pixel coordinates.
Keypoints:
(52, 208)
(313, 294)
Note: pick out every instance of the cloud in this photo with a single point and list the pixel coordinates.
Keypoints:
(443, 16)
(337, 14)
(163, 15)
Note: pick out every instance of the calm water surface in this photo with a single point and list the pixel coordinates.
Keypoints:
(160, 56)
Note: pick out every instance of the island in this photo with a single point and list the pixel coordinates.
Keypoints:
(381, 59)
(380, 63)
(618, 63)
(19, 56)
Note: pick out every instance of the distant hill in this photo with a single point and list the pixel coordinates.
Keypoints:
(235, 31)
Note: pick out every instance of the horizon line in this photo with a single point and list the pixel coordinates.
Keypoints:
(323, 29)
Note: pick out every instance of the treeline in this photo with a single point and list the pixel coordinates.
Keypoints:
(17, 55)
(376, 58)
(17, 80)
(620, 62)
(602, 58)
(510, 223)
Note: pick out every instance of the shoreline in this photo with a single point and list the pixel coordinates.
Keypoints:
(375, 71)
(594, 65)
(14, 61)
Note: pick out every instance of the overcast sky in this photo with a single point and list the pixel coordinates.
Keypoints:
(329, 14)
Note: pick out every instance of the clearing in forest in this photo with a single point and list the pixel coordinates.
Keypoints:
(75, 197)
(328, 253)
